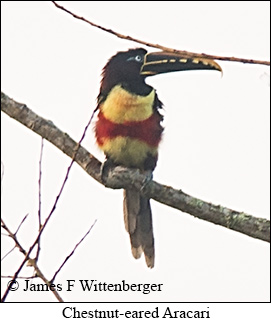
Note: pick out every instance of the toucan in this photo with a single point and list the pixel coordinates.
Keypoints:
(128, 128)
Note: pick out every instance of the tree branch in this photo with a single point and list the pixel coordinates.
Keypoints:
(185, 53)
(126, 178)
(31, 262)
(39, 209)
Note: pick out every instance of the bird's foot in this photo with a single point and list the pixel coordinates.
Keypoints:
(147, 180)
(105, 169)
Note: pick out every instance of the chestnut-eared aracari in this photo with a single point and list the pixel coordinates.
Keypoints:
(129, 130)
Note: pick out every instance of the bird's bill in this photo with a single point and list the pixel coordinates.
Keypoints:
(165, 62)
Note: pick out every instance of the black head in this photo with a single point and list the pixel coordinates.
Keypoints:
(124, 68)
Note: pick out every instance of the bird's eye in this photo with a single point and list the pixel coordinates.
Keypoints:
(138, 58)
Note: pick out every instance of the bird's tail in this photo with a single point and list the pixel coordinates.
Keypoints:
(138, 223)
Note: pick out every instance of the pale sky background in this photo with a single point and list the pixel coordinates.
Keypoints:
(215, 147)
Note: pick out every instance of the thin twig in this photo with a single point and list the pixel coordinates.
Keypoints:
(21, 223)
(40, 174)
(32, 262)
(10, 251)
(68, 257)
(2, 174)
(164, 48)
(39, 184)
(20, 277)
(13, 236)
(14, 277)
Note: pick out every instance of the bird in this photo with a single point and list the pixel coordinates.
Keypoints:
(129, 128)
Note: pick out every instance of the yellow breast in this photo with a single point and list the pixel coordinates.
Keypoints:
(127, 151)
(121, 106)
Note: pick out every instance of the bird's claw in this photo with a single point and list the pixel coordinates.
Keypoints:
(147, 180)
(105, 169)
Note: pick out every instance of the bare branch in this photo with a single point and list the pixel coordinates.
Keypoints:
(185, 54)
(68, 257)
(31, 262)
(39, 184)
(20, 277)
(40, 174)
(126, 178)
(2, 174)
(21, 223)
(13, 236)
(10, 251)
